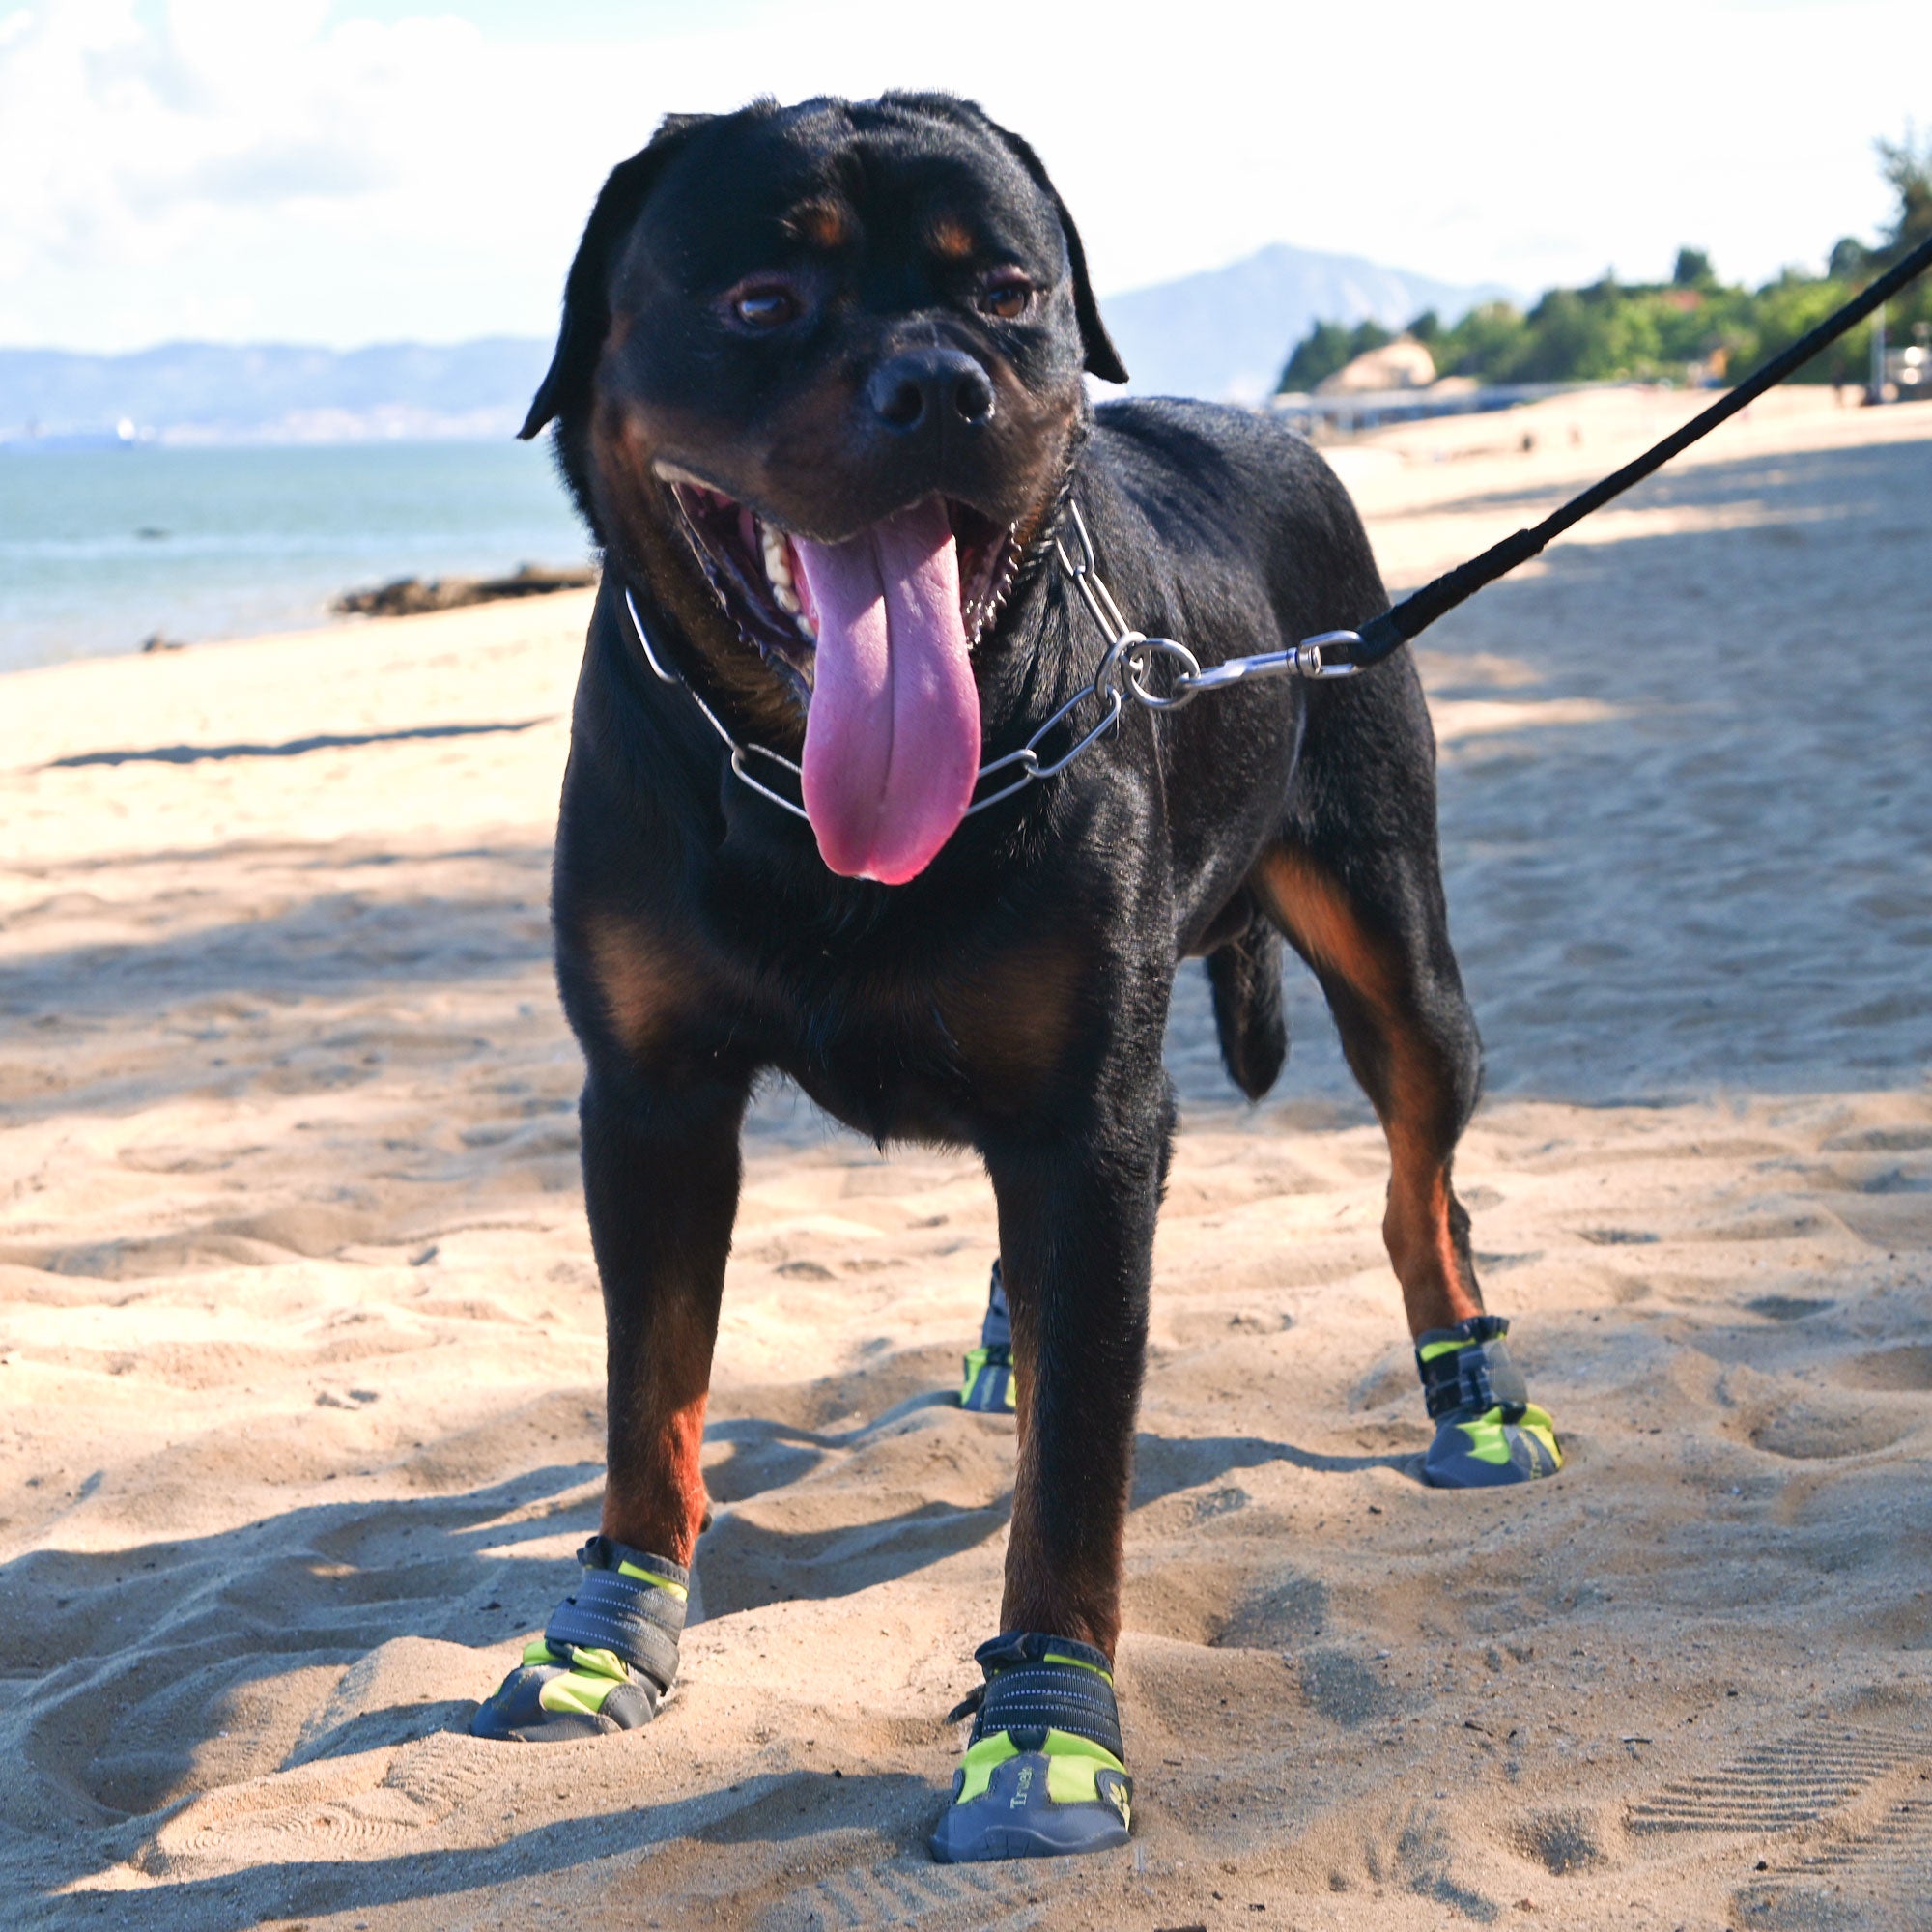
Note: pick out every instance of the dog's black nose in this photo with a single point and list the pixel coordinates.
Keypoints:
(923, 389)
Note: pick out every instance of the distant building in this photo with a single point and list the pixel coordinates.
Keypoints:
(1402, 364)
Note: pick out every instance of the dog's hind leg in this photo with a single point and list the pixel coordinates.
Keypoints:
(1354, 882)
(660, 1176)
(1372, 928)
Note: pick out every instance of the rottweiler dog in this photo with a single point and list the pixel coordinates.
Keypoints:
(820, 393)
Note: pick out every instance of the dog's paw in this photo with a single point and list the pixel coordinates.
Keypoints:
(1488, 1432)
(1042, 1776)
(605, 1660)
(553, 1698)
(988, 1388)
(1512, 1443)
(1014, 1804)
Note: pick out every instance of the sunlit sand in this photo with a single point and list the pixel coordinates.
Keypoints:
(301, 1343)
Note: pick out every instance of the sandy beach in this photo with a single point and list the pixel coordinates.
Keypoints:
(300, 1344)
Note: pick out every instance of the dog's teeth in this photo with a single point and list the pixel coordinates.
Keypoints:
(777, 564)
(786, 599)
(805, 626)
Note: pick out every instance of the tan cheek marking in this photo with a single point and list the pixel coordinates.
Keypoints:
(639, 980)
(620, 447)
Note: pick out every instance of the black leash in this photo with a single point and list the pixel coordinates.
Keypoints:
(1416, 612)
(1344, 653)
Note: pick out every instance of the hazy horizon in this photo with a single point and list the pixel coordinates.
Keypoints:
(493, 335)
(1223, 334)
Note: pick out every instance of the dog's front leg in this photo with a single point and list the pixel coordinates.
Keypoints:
(661, 1174)
(1044, 1773)
(1076, 1246)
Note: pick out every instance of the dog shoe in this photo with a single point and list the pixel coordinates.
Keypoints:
(1488, 1432)
(1042, 1776)
(988, 1386)
(607, 1658)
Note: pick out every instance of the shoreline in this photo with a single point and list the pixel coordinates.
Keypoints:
(1602, 424)
(99, 551)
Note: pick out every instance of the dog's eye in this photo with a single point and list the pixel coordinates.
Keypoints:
(765, 308)
(1007, 298)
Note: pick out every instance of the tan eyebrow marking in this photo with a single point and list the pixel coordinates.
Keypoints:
(952, 238)
(824, 224)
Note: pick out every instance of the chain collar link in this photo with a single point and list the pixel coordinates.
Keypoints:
(1125, 670)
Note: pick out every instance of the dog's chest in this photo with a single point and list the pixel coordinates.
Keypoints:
(896, 1038)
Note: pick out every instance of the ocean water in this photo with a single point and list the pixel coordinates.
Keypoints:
(100, 549)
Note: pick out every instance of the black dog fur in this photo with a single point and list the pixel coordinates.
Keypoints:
(1012, 997)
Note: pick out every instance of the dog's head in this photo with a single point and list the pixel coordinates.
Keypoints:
(818, 380)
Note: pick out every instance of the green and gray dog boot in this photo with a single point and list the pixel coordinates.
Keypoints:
(1488, 1432)
(988, 1385)
(606, 1658)
(1042, 1776)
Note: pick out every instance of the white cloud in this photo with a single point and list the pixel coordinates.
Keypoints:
(240, 158)
(271, 168)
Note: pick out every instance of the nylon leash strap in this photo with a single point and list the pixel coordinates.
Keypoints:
(1416, 612)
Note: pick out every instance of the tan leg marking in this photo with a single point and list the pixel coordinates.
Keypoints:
(642, 981)
(1015, 1021)
(1317, 918)
(654, 1496)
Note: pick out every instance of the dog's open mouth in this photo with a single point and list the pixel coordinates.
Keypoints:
(876, 632)
(754, 569)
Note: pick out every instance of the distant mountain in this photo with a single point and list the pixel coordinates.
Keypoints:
(214, 392)
(1225, 334)
(1222, 334)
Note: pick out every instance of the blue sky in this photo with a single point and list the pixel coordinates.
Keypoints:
(346, 171)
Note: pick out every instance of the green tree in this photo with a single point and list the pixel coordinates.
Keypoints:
(1567, 342)
(1693, 269)
(1485, 340)
(1329, 346)
(1849, 259)
(1683, 329)
(1907, 173)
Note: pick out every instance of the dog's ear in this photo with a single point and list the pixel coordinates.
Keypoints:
(587, 307)
(1104, 359)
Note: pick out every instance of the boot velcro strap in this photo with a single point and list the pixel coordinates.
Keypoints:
(1039, 1684)
(639, 1619)
(1466, 1369)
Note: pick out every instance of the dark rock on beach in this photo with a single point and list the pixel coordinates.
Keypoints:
(409, 596)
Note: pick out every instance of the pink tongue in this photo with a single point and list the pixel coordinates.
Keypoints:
(891, 740)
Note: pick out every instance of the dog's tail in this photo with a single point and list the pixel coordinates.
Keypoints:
(1245, 975)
